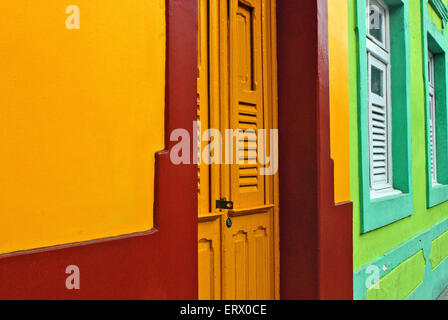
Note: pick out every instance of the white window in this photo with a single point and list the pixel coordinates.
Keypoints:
(432, 118)
(378, 23)
(379, 81)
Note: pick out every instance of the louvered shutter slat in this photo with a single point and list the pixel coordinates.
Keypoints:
(432, 120)
(379, 144)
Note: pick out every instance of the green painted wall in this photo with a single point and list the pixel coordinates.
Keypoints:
(435, 17)
(439, 250)
(370, 246)
(401, 281)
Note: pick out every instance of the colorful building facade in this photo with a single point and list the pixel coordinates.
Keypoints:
(87, 215)
(96, 98)
(400, 235)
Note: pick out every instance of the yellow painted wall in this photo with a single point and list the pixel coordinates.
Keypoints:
(339, 97)
(81, 116)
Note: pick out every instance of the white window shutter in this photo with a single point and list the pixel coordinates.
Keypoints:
(380, 126)
(379, 145)
(432, 119)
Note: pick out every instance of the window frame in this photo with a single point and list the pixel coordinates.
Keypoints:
(379, 210)
(378, 56)
(432, 118)
(385, 45)
(435, 43)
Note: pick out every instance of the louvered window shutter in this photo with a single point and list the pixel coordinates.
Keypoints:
(380, 131)
(379, 145)
(379, 125)
(432, 119)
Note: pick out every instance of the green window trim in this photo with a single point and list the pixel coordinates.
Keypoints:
(441, 9)
(436, 41)
(377, 213)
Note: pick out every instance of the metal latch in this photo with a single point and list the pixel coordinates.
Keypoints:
(224, 204)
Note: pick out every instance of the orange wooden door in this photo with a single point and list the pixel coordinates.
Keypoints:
(238, 247)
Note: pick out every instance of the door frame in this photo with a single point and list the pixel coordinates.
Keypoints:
(219, 58)
(315, 238)
(316, 242)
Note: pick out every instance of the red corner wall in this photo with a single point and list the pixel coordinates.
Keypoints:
(315, 234)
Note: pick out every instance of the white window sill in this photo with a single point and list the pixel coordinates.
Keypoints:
(378, 194)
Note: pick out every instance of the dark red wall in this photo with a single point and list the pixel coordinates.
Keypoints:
(315, 235)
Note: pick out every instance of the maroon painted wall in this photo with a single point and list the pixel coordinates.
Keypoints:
(315, 235)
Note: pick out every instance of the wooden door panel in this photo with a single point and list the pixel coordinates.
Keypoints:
(244, 19)
(232, 94)
(246, 97)
(248, 258)
(209, 259)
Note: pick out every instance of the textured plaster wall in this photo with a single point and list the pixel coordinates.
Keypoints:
(368, 247)
(406, 278)
(339, 105)
(81, 118)
(439, 250)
